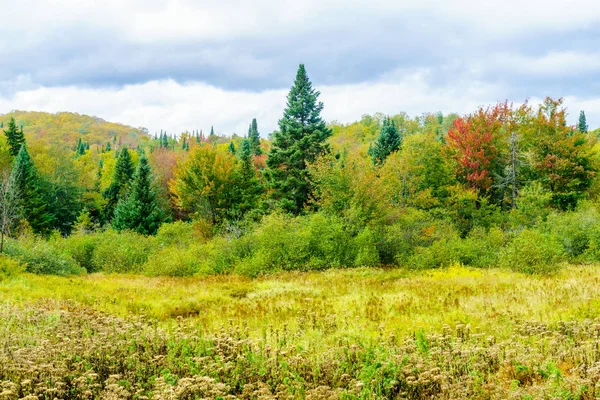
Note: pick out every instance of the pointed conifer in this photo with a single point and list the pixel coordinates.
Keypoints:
(140, 211)
(300, 140)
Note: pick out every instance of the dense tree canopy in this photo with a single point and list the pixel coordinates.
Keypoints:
(497, 166)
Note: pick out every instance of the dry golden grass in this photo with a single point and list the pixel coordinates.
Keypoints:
(364, 333)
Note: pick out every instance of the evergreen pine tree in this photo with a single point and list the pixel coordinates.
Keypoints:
(81, 147)
(389, 141)
(582, 126)
(249, 186)
(120, 183)
(14, 137)
(300, 140)
(254, 137)
(165, 141)
(231, 147)
(197, 137)
(33, 204)
(98, 176)
(108, 147)
(139, 212)
(212, 137)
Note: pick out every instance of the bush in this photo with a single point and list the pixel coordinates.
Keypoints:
(40, 257)
(178, 233)
(172, 261)
(81, 248)
(280, 244)
(9, 267)
(479, 249)
(365, 247)
(414, 229)
(329, 245)
(578, 232)
(124, 252)
(533, 252)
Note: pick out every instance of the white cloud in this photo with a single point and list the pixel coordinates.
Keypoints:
(382, 55)
(176, 107)
(552, 64)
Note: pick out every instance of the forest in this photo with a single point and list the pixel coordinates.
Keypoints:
(395, 257)
(503, 186)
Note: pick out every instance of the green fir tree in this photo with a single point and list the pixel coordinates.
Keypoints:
(140, 211)
(389, 141)
(300, 140)
(582, 125)
(33, 205)
(254, 137)
(120, 183)
(14, 137)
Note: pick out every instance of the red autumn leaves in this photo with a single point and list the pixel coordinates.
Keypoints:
(474, 142)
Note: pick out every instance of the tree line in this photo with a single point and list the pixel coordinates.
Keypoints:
(475, 170)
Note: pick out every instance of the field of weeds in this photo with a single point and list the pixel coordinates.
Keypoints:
(455, 333)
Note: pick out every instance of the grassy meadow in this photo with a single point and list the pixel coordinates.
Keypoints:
(340, 334)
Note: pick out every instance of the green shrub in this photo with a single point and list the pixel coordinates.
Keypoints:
(578, 232)
(280, 244)
(177, 233)
(365, 248)
(415, 229)
(533, 252)
(81, 248)
(124, 252)
(172, 261)
(479, 249)
(9, 267)
(40, 257)
(442, 253)
(329, 245)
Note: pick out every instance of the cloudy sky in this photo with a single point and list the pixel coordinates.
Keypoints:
(190, 64)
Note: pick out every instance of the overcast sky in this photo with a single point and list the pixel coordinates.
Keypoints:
(190, 64)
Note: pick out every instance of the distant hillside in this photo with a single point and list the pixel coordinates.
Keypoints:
(65, 128)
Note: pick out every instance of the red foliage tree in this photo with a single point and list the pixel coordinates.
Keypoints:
(476, 145)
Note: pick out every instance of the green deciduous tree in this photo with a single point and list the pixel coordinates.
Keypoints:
(204, 185)
(300, 140)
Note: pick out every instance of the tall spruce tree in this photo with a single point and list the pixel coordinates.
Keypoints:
(582, 125)
(389, 141)
(254, 137)
(14, 137)
(32, 202)
(231, 147)
(249, 186)
(140, 211)
(120, 183)
(300, 140)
